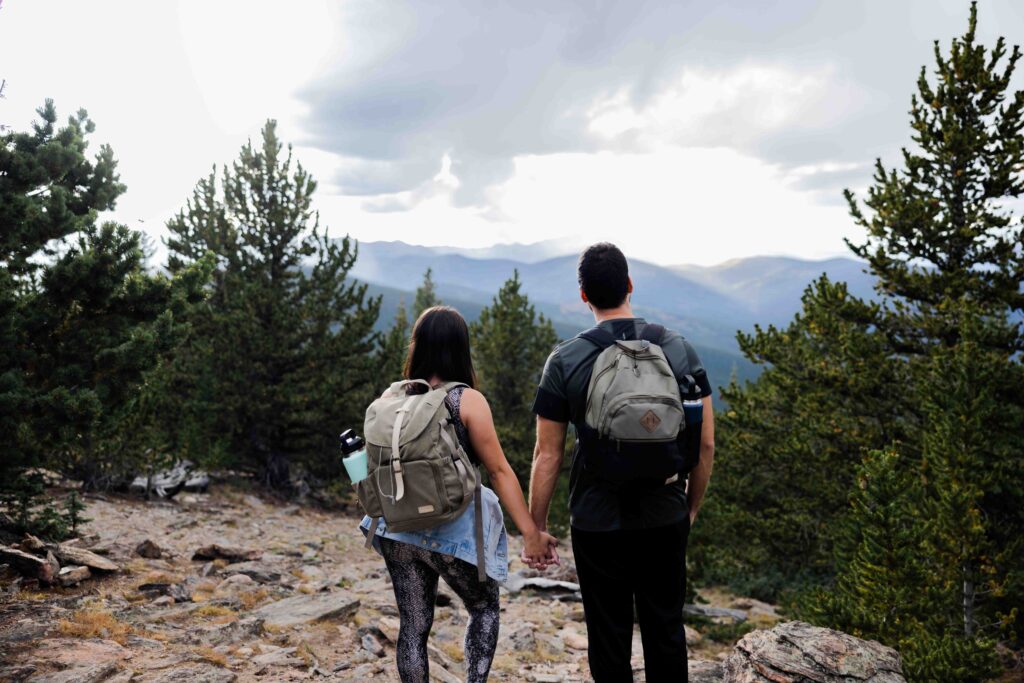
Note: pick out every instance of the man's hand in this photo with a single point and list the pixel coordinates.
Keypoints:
(539, 551)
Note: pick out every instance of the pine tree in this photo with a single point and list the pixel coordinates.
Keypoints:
(788, 444)
(73, 509)
(510, 343)
(971, 444)
(889, 588)
(939, 231)
(393, 348)
(426, 295)
(282, 358)
(81, 321)
(935, 365)
(948, 258)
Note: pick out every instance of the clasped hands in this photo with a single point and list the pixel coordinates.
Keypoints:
(539, 550)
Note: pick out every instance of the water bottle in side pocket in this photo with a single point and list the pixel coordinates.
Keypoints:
(354, 449)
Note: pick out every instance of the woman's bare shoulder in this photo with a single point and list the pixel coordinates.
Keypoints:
(473, 404)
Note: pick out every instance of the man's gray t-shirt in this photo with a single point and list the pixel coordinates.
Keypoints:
(562, 396)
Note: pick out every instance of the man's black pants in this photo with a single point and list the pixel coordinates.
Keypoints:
(618, 569)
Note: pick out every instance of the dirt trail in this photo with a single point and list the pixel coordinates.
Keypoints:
(315, 605)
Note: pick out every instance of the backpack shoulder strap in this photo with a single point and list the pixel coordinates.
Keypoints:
(598, 336)
(653, 333)
(449, 387)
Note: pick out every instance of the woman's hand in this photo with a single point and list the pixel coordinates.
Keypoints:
(539, 550)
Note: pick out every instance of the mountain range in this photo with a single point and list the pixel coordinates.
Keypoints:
(706, 304)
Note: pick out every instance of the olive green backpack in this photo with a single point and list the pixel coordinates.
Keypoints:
(419, 476)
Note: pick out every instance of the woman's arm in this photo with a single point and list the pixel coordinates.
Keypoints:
(476, 415)
(701, 474)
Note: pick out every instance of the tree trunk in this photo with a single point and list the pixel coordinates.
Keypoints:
(968, 604)
(276, 473)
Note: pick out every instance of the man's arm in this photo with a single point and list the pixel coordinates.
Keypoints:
(547, 463)
(701, 474)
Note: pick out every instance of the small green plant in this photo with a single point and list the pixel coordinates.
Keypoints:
(73, 508)
(28, 510)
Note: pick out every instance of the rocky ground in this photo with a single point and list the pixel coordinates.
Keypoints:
(227, 586)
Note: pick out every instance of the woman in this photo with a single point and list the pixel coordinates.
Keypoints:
(439, 353)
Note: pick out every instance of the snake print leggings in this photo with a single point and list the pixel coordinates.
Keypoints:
(414, 573)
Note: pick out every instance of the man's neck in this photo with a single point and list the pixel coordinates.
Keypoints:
(623, 311)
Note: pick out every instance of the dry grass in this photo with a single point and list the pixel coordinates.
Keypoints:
(541, 654)
(208, 654)
(304, 651)
(506, 664)
(453, 650)
(157, 576)
(204, 590)
(95, 623)
(251, 599)
(306, 588)
(214, 611)
(136, 566)
(30, 596)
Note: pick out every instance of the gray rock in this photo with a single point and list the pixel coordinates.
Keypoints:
(178, 592)
(282, 657)
(443, 675)
(16, 674)
(372, 645)
(795, 652)
(69, 554)
(304, 609)
(78, 674)
(705, 672)
(72, 576)
(708, 611)
(196, 674)
(226, 634)
(123, 677)
(45, 569)
(257, 571)
(215, 551)
(364, 671)
(517, 581)
(149, 550)
(523, 637)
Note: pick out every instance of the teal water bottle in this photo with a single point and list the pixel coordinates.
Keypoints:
(354, 449)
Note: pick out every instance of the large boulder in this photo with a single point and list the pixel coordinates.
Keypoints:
(305, 609)
(795, 652)
(69, 554)
(45, 569)
(216, 551)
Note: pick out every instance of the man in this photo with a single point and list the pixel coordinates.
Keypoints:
(629, 538)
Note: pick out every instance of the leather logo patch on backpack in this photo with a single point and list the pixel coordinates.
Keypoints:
(650, 421)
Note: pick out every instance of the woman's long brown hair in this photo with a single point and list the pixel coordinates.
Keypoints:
(440, 347)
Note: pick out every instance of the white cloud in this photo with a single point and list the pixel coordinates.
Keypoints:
(734, 106)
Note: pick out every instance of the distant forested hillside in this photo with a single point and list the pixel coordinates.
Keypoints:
(708, 305)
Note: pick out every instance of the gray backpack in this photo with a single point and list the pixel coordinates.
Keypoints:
(419, 476)
(633, 394)
(635, 433)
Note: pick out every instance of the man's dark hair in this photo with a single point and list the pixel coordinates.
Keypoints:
(603, 275)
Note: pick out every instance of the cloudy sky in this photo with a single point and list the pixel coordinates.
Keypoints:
(689, 132)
